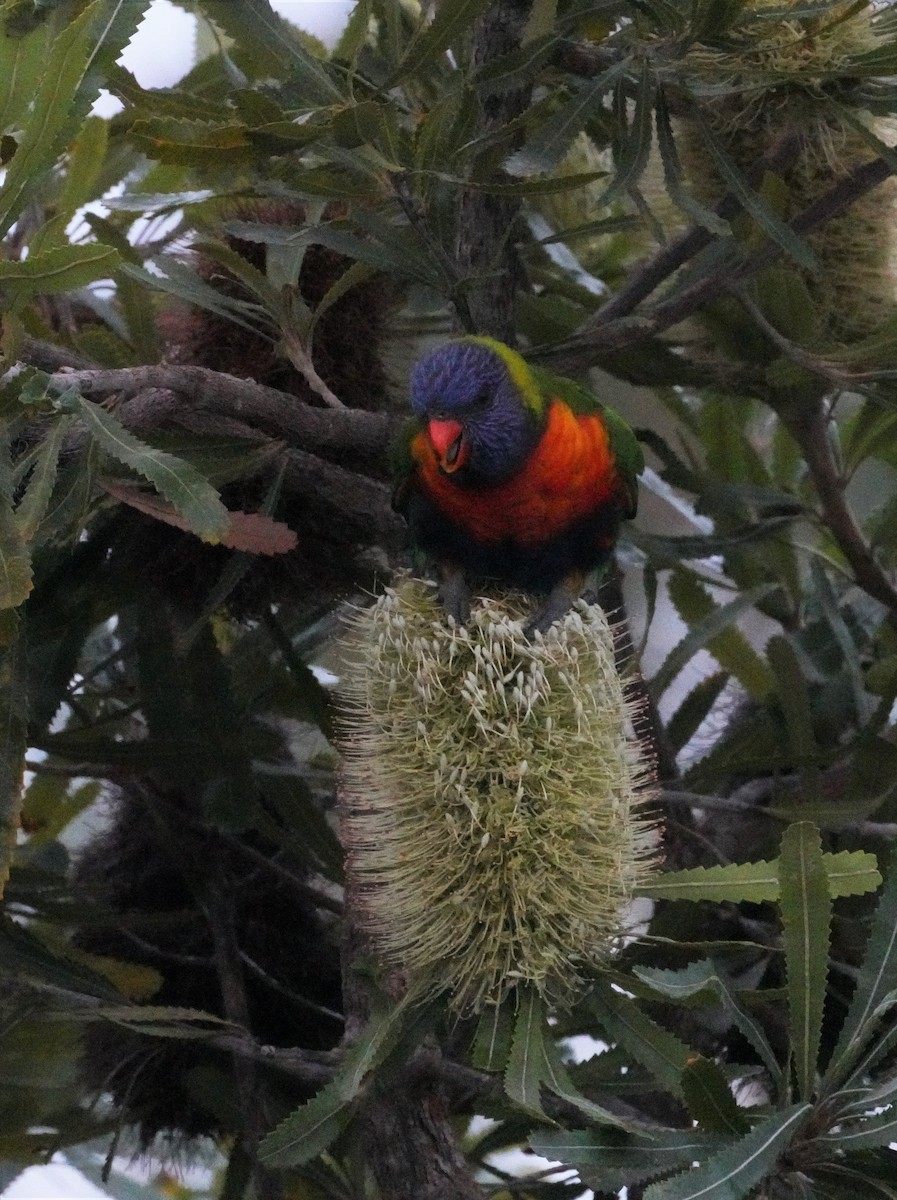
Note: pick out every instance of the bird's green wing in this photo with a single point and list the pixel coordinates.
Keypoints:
(401, 462)
(576, 397)
(628, 457)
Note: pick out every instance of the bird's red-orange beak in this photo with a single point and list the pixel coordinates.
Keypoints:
(450, 444)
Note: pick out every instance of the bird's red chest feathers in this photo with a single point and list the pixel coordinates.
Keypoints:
(569, 475)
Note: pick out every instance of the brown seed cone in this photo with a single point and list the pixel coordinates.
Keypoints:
(147, 877)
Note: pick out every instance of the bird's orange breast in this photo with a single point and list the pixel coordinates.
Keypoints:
(569, 474)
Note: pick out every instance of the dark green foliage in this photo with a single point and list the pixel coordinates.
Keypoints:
(689, 195)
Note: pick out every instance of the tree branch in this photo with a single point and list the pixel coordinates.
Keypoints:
(486, 254)
(809, 428)
(339, 431)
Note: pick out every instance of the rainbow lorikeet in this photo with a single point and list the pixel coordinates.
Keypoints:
(511, 474)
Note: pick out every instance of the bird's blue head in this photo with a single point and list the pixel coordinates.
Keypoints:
(481, 407)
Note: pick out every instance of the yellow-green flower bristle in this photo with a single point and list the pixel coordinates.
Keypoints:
(492, 819)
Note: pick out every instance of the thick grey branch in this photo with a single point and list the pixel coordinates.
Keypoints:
(343, 431)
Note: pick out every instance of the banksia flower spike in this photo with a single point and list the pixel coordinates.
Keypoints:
(773, 76)
(491, 813)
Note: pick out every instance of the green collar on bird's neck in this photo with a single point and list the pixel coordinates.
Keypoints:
(519, 370)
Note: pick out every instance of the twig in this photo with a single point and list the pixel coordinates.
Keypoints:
(313, 1068)
(318, 898)
(809, 428)
(220, 915)
(732, 804)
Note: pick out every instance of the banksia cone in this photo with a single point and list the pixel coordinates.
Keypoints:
(491, 813)
(767, 81)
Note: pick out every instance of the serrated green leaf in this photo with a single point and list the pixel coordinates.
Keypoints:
(709, 1098)
(70, 503)
(57, 270)
(15, 562)
(551, 141)
(450, 22)
(527, 187)
(526, 1062)
(84, 169)
(25, 957)
(730, 647)
(139, 315)
(849, 873)
(354, 274)
(302, 827)
(518, 67)
(251, 277)
(13, 733)
(273, 47)
(786, 303)
(556, 1079)
(355, 33)
(399, 254)
(825, 593)
(310, 1130)
(22, 63)
(794, 698)
(704, 631)
(806, 909)
(672, 174)
(32, 507)
(68, 86)
(696, 978)
(689, 716)
(632, 146)
(178, 280)
(605, 1162)
(877, 1130)
(877, 979)
(733, 1172)
(624, 1023)
(194, 498)
(370, 123)
(167, 1021)
(188, 142)
(492, 1043)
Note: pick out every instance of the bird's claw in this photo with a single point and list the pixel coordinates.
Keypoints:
(455, 596)
(560, 600)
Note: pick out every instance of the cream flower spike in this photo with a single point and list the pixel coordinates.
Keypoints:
(492, 795)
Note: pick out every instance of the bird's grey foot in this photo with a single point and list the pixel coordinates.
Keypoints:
(455, 596)
(560, 600)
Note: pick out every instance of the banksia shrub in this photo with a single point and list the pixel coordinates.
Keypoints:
(491, 808)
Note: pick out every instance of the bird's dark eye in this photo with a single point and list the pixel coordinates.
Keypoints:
(481, 402)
